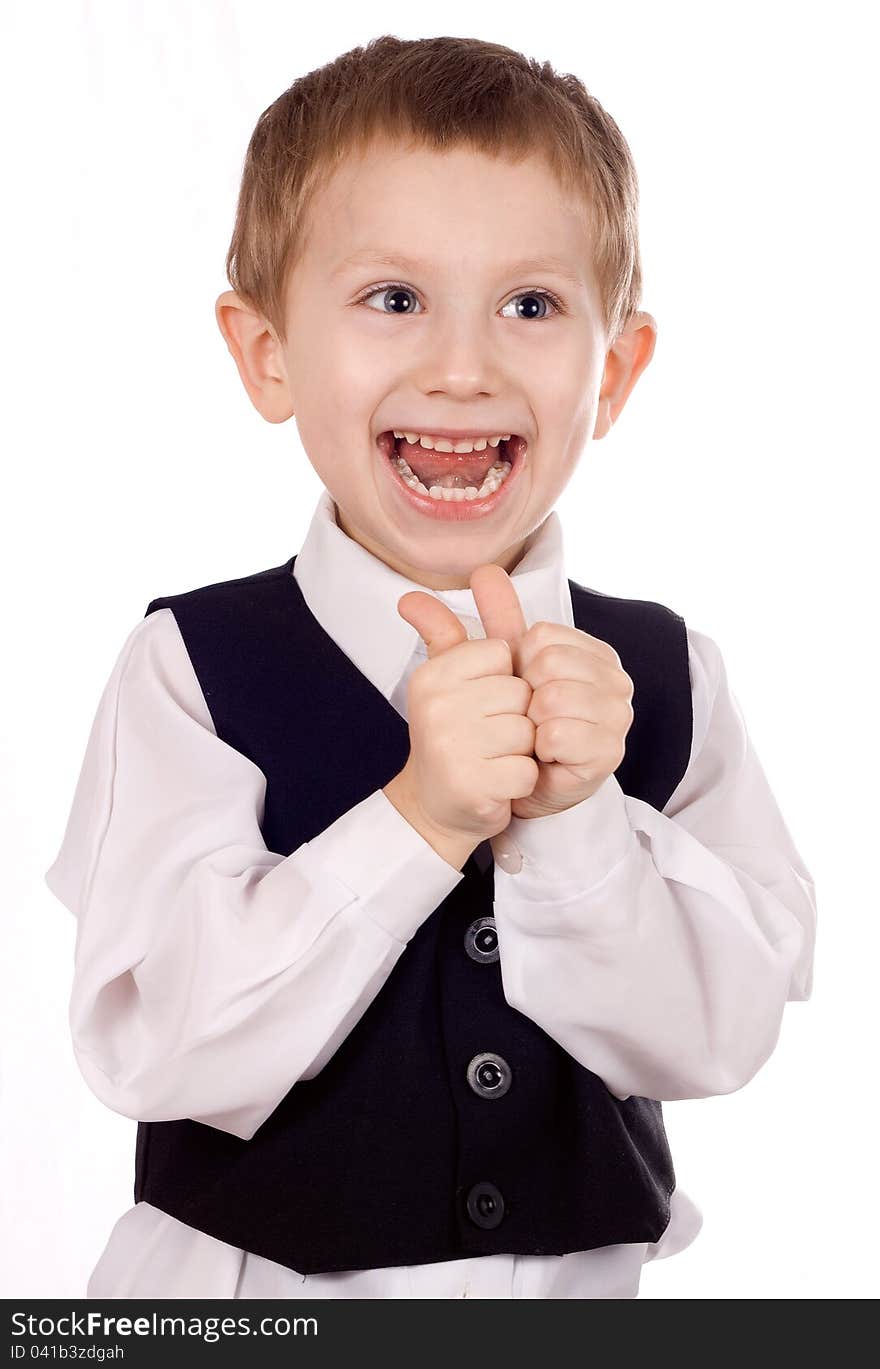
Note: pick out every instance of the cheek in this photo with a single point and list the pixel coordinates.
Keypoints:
(328, 363)
(563, 394)
(334, 403)
(348, 398)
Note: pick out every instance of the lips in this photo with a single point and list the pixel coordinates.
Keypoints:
(460, 509)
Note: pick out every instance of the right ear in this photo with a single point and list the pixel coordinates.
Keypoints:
(258, 355)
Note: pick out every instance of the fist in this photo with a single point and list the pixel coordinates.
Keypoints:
(579, 697)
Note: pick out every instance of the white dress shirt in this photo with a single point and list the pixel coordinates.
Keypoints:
(658, 948)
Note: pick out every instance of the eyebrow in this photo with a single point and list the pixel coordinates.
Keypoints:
(374, 257)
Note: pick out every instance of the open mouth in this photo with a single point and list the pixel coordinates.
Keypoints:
(473, 475)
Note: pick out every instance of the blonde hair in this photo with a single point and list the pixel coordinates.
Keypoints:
(434, 93)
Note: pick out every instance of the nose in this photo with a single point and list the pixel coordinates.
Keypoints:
(459, 356)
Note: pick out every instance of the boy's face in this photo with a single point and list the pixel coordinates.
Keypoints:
(460, 340)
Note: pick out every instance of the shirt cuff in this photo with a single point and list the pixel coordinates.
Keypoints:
(569, 852)
(397, 876)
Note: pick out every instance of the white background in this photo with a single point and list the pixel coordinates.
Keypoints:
(735, 489)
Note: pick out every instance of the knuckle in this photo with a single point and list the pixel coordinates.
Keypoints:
(554, 730)
(622, 716)
(554, 659)
(608, 651)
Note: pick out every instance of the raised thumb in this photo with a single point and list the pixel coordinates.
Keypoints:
(434, 621)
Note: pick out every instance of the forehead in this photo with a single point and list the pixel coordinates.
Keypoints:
(445, 210)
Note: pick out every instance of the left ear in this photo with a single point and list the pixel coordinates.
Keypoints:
(627, 358)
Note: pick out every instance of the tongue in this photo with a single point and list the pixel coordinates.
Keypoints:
(459, 468)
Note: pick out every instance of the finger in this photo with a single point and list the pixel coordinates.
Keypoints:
(560, 644)
(498, 606)
(571, 659)
(587, 746)
(434, 621)
(569, 699)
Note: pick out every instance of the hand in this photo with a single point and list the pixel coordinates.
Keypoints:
(580, 699)
(581, 706)
(471, 742)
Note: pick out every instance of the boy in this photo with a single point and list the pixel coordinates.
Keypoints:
(368, 1059)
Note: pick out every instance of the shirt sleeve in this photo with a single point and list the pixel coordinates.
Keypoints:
(660, 948)
(210, 974)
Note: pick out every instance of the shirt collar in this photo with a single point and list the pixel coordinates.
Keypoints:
(354, 595)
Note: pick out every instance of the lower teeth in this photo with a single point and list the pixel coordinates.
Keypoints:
(494, 477)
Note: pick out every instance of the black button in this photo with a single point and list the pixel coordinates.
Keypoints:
(485, 1205)
(481, 940)
(489, 1075)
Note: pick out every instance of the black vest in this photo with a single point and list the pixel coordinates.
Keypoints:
(408, 1147)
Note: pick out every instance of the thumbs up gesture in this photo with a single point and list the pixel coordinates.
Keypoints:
(471, 742)
(527, 723)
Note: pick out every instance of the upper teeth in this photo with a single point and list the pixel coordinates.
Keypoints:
(445, 444)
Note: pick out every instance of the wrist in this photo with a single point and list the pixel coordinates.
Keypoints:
(454, 847)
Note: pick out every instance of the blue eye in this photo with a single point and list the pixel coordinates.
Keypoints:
(396, 294)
